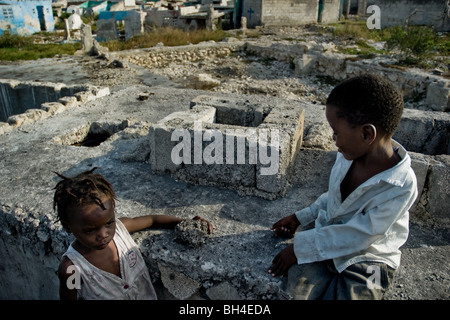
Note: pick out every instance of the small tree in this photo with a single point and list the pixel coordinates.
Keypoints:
(416, 43)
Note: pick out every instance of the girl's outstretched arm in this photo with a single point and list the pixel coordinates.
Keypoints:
(164, 221)
(143, 222)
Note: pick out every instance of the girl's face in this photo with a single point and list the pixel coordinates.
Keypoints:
(93, 226)
(348, 139)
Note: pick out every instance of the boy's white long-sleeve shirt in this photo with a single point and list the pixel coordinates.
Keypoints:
(370, 225)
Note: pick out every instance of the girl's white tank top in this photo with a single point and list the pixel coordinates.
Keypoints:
(134, 281)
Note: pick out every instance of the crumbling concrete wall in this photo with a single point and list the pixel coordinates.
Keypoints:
(285, 12)
(433, 13)
(426, 132)
(289, 12)
(231, 264)
(106, 29)
(330, 11)
(18, 96)
(163, 56)
(162, 17)
(30, 247)
(310, 58)
(134, 24)
(107, 24)
(253, 147)
(27, 102)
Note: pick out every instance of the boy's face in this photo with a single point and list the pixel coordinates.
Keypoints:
(93, 226)
(348, 139)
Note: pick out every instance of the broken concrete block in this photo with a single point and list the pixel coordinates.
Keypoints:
(420, 164)
(29, 116)
(319, 136)
(192, 232)
(290, 119)
(53, 107)
(100, 92)
(5, 127)
(68, 101)
(438, 95)
(16, 120)
(92, 93)
(439, 186)
(274, 177)
(82, 96)
(424, 131)
(305, 63)
(178, 284)
(161, 133)
(35, 114)
(242, 150)
(223, 291)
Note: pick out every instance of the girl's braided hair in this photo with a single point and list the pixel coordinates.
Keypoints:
(84, 189)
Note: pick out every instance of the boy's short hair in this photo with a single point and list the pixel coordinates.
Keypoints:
(368, 99)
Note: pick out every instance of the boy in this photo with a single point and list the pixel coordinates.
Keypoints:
(362, 221)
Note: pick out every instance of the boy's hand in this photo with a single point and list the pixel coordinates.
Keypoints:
(283, 261)
(286, 227)
(210, 226)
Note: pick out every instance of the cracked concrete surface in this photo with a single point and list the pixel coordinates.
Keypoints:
(233, 261)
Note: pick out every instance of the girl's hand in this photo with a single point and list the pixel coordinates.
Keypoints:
(210, 226)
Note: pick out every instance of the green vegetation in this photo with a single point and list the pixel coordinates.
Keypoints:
(15, 47)
(418, 46)
(169, 36)
(355, 29)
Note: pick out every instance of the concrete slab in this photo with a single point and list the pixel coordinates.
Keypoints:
(238, 253)
(236, 257)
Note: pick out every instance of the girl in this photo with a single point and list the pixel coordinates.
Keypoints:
(103, 262)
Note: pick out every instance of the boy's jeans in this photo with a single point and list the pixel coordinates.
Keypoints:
(321, 281)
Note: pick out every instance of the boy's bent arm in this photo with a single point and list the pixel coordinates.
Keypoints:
(309, 214)
(358, 233)
(140, 223)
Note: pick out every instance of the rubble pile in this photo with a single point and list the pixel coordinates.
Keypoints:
(304, 69)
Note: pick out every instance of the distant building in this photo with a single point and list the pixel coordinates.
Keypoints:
(25, 17)
(434, 13)
(287, 12)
